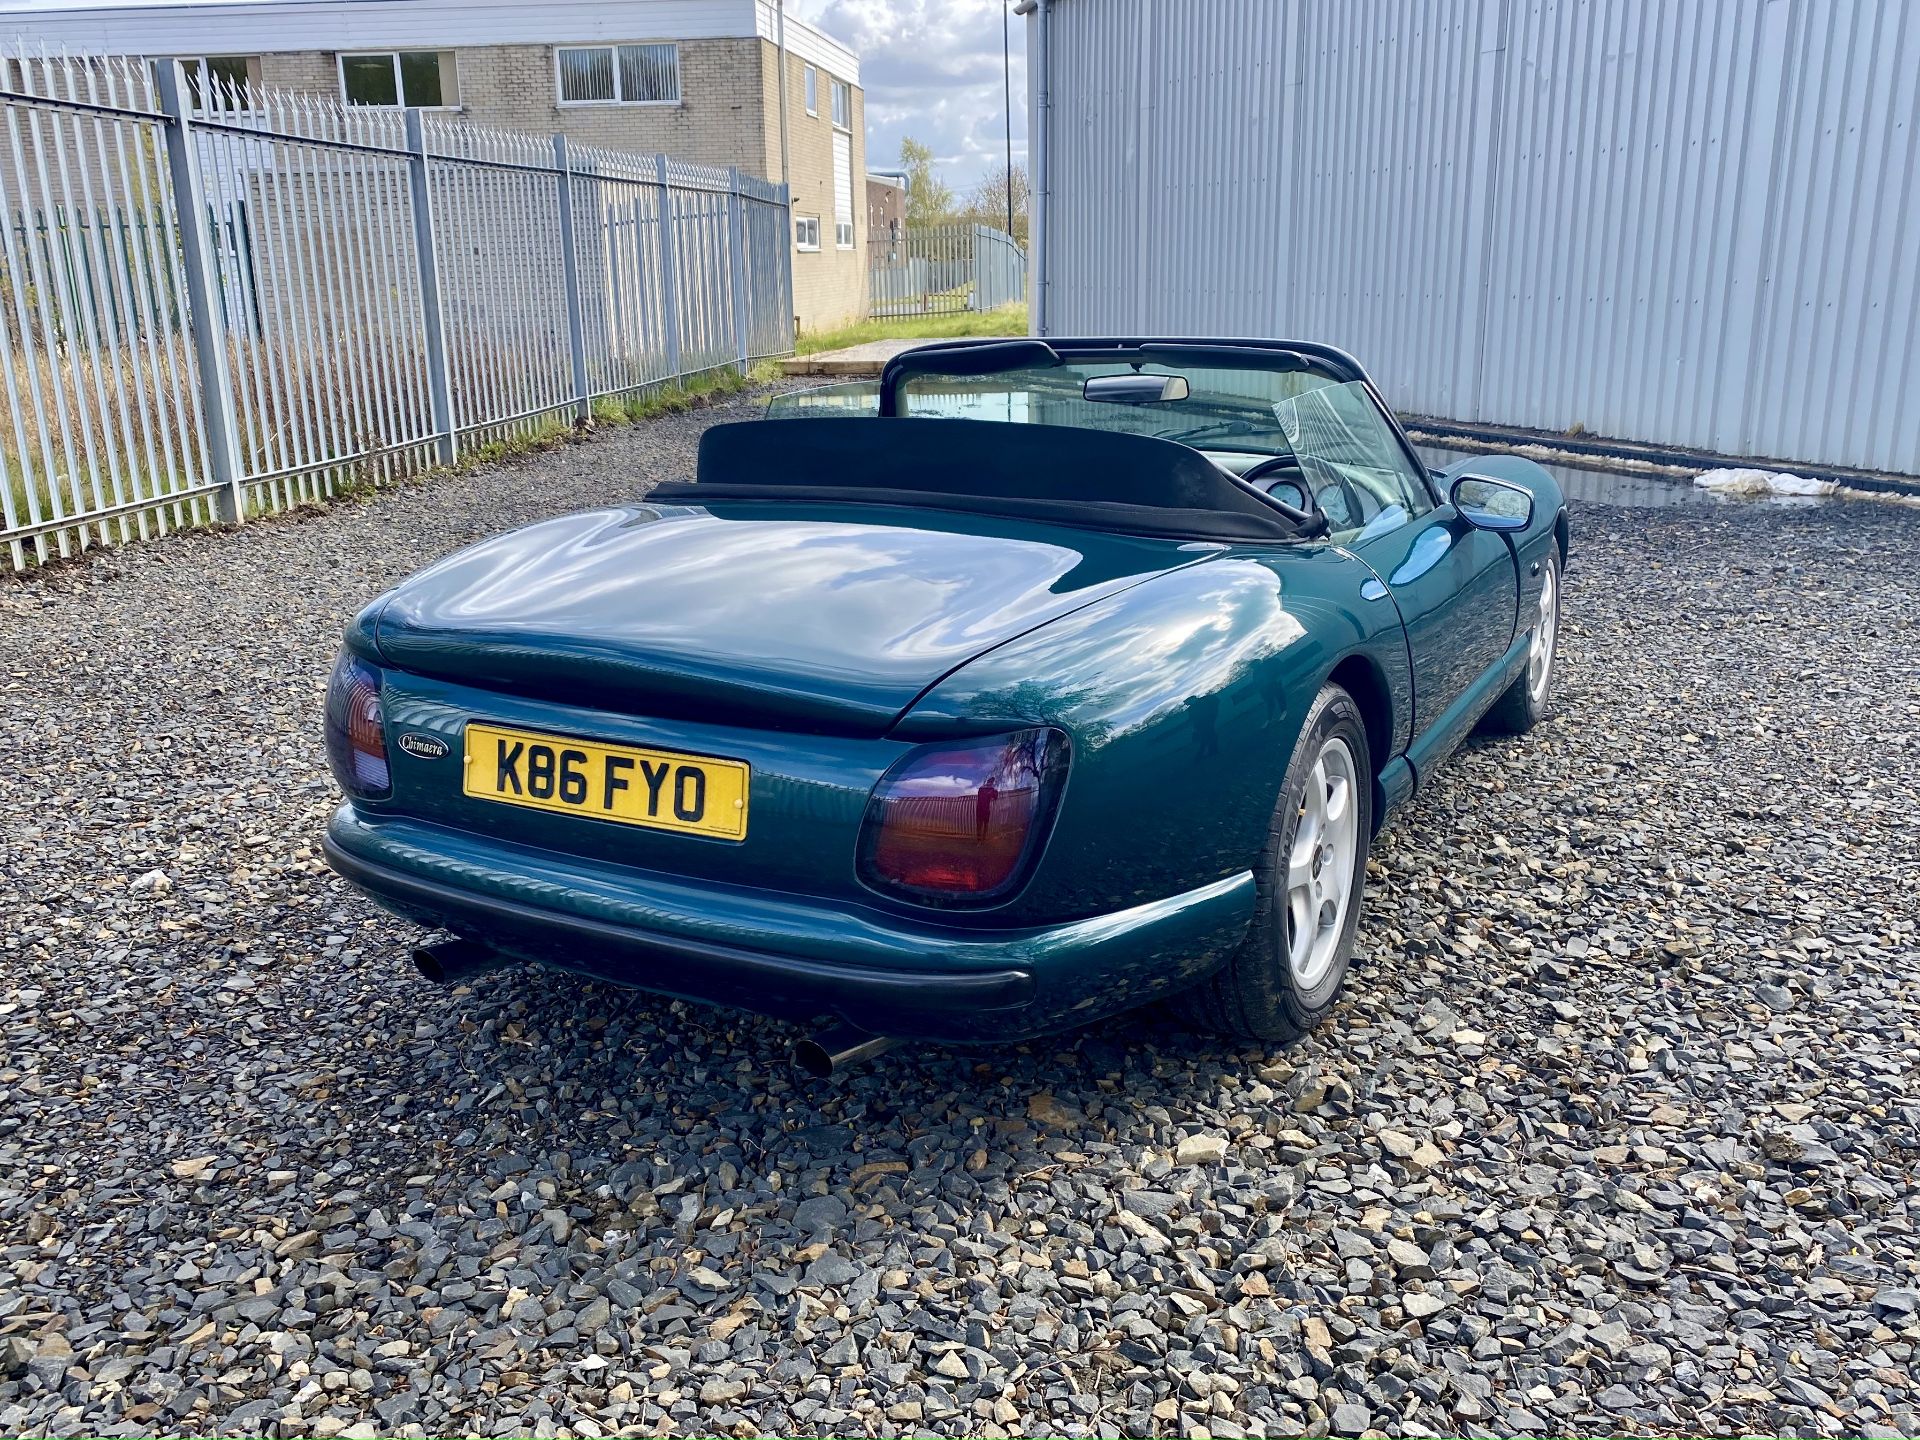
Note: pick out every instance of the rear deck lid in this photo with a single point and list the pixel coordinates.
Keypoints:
(833, 617)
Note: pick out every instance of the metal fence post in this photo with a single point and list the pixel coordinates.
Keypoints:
(570, 270)
(789, 322)
(669, 265)
(737, 243)
(209, 331)
(439, 391)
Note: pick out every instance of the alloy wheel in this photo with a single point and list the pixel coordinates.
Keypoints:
(1326, 847)
(1540, 647)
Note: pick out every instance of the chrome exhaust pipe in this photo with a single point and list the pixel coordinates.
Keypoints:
(839, 1049)
(453, 960)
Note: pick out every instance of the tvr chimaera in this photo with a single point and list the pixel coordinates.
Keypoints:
(1038, 680)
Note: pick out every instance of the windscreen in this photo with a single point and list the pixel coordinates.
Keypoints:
(1256, 412)
(852, 397)
(1253, 411)
(1309, 438)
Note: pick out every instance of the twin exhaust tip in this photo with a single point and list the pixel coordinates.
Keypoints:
(452, 961)
(833, 1052)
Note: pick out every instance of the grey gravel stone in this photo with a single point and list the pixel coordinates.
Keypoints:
(1152, 1204)
(832, 1269)
(1560, 1162)
(15, 1353)
(819, 1213)
(1351, 1418)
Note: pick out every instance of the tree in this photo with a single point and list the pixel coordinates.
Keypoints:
(929, 199)
(987, 201)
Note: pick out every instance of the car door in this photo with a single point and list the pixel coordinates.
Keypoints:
(1456, 590)
(1456, 587)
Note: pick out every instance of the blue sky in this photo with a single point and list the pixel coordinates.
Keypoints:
(931, 69)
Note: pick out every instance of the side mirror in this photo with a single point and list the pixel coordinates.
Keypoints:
(1488, 504)
(1135, 389)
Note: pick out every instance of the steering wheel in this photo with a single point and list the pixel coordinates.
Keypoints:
(1355, 510)
(1310, 519)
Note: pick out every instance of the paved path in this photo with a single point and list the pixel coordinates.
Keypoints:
(851, 363)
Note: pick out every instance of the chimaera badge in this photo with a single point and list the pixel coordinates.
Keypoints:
(424, 747)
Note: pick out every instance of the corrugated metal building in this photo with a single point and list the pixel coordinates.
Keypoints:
(1688, 222)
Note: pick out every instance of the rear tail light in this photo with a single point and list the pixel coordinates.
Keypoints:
(961, 824)
(356, 730)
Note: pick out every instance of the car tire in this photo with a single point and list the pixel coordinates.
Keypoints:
(1284, 978)
(1523, 704)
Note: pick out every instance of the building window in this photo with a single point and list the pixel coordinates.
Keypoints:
(843, 191)
(233, 78)
(423, 78)
(843, 104)
(806, 232)
(813, 90)
(618, 74)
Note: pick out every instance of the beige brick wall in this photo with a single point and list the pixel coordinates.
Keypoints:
(513, 87)
(830, 286)
(717, 122)
(313, 72)
(728, 115)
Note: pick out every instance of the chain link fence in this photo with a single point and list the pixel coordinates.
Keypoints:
(217, 301)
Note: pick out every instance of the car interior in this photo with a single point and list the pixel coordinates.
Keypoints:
(1299, 429)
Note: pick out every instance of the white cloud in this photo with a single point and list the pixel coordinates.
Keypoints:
(931, 69)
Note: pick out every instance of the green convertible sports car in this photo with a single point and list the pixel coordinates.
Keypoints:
(1040, 679)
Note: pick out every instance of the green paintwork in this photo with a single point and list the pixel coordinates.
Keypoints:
(1140, 951)
(820, 645)
(826, 617)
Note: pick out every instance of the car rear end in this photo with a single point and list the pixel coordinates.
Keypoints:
(608, 805)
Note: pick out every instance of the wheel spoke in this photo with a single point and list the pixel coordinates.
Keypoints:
(1300, 930)
(1337, 800)
(1300, 868)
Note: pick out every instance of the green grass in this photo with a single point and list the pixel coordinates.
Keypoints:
(543, 434)
(355, 480)
(677, 395)
(1007, 320)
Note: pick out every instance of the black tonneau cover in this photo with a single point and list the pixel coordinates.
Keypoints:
(1134, 484)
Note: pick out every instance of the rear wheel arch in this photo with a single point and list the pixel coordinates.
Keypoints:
(1361, 678)
(1287, 972)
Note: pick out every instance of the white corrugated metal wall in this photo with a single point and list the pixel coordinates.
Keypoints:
(1687, 223)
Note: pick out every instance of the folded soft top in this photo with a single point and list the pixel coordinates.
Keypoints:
(1134, 484)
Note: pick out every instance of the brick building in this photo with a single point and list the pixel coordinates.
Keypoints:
(696, 79)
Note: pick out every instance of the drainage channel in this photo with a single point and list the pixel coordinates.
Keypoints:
(1628, 489)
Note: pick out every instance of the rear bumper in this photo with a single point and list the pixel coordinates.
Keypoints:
(781, 954)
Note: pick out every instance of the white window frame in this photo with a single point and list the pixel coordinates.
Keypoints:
(613, 55)
(254, 81)
(810, 89)
(399, 89)
(846, 217)
(798, 243)
(837, 88)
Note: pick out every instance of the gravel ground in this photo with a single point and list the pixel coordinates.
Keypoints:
(1616, 1131)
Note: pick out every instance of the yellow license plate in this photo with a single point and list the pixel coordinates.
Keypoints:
(661, 789)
